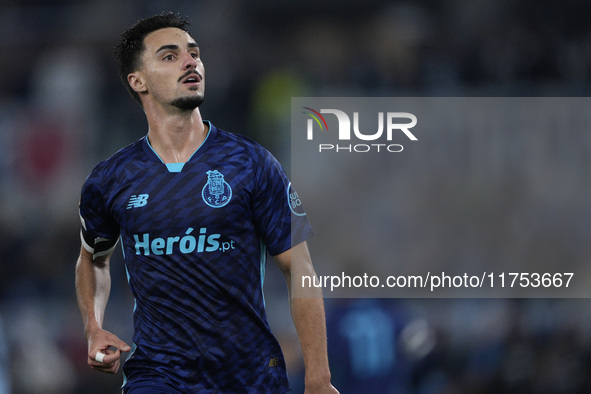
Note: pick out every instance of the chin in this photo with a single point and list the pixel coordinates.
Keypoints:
(188, 103)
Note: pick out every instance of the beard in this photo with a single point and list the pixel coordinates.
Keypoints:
(188, 103)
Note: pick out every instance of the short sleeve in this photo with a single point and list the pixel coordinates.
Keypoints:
(280, 223)
(99, 233)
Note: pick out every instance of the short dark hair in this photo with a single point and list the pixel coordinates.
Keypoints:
(131, 43)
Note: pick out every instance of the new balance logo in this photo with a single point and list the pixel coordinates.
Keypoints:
(137, 201)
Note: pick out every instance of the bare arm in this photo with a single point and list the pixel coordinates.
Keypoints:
(93, 285)
(309, 320)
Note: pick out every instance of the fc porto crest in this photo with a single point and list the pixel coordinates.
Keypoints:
(216, 193)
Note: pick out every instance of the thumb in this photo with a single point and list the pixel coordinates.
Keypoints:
(124, 347)
(118, 343)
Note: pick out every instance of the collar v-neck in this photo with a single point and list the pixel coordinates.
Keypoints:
(178, 167)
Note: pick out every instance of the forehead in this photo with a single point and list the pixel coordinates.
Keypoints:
(167, 36)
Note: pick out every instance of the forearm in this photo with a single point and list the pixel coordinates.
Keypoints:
(309, 321)
(93, 285)
(307, 311)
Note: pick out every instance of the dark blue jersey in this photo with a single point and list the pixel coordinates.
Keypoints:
(195, 237)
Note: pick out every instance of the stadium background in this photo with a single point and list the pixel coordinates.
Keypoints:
(63, 108)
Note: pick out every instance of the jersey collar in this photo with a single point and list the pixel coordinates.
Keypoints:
(178, 167)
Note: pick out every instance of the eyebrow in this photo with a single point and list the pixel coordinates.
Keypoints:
(175, 47)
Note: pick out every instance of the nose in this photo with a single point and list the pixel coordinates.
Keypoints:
(189, 62)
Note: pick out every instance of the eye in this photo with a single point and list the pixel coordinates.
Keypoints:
(168, 57)
(194, 55)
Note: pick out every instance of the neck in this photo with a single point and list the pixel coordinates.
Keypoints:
(175, 136)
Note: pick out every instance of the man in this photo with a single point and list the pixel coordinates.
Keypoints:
(196, 209)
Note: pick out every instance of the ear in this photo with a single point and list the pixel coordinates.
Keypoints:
(137, 83)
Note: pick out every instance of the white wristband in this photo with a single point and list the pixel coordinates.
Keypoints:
(99, 357)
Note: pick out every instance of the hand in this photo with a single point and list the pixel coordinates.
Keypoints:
(103, 341)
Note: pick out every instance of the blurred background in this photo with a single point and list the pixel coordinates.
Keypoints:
(63, 109)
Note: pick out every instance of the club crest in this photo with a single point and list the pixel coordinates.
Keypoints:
(216, 193)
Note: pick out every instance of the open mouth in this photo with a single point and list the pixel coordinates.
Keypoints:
(190, 77)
